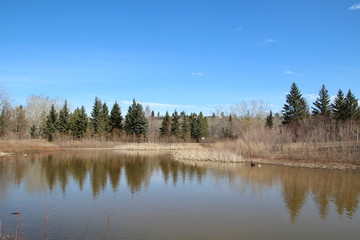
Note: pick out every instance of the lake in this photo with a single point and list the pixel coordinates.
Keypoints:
(96, 194)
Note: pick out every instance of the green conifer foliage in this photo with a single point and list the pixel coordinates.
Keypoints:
(165, 129)
(51, 122)
(194, 126)
(82, 122)
(175, 124)
(338, 106)
(115, 117)
(96, 120)
(202, 126)
(79, 122)
(322, 104)
(295, 107)
(184, 126)
(269, 123)
(351, 106)
(136, 124)
(105, 126)
(63, 125)
(21, 122)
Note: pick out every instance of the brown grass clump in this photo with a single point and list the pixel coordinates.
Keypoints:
(207, 155)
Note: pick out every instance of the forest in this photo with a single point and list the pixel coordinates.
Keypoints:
(326, 121)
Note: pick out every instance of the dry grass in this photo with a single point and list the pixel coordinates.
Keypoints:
(9, 147)
(22, 146)
(207, 155)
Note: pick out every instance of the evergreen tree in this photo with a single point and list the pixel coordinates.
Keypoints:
(136, 124)
(184, 126)
(96, 120)
(105, 120)
(295, 107)
(202, 126)
(165, 129)
(51, 122)
(73, 117)
(338, 106)
(269, 120)
(351, 106)
(194, 126)
(21, 122)
(115, 117)
(79, 122)
(63, 125)
(322, 103)
(82, 122)
(175, 124)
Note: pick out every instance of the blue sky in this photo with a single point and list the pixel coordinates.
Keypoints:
(189, 55)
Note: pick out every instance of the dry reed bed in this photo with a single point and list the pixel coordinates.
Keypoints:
(221, 156)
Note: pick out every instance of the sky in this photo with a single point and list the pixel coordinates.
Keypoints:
(190, 55)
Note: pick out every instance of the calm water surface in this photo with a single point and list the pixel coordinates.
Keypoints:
(113, 195)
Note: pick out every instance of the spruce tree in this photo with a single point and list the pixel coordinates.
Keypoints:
(73, 118)
(136, 124)
(338, 108)
(105, 120)
(175, 124)
(165, 129)
(295, 107)
(21, 122)
(96, 120)
(79, 122)
(194, 126)
(63, 125)
(351, 106)
(202, 126)
(269, 120)
(51, 122)
(82, 122)
(115, 117)
(322, 103)
(184, 126)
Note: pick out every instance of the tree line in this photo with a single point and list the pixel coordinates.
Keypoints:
(46, 118)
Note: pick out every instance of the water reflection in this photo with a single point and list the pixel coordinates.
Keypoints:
(42, 172)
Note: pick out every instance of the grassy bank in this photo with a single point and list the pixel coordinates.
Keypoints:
(335, 155)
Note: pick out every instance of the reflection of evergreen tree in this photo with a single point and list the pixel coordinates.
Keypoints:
(294, 196)
(174, 168)
(165, 168)
(135, 171)
(322, 200)
(114, 171)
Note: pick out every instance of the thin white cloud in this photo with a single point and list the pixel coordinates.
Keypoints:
(289, 72)
(238, 29)
(269, 40)
(355, 7)
(197, 74)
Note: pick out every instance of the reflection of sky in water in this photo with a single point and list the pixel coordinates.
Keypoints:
(152, 197)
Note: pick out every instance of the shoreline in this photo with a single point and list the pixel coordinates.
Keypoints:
(198, 152)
